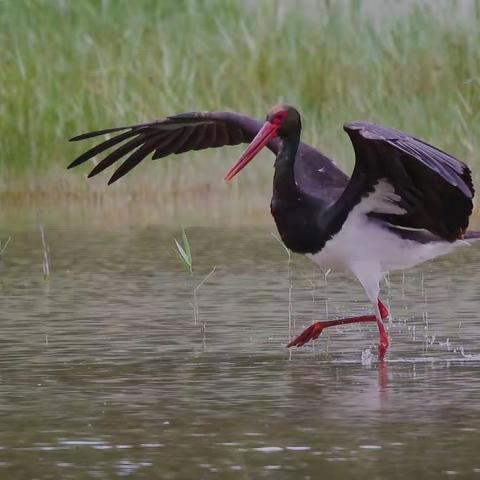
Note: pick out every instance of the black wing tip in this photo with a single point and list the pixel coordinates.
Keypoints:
(84, 136)
(78, 161)
(116, 176)
(72, 165)
(76, 138)
(92, 173)
(98, 169)
(96, 133)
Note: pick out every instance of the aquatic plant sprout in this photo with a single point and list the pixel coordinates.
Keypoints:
(184, 253)
(3, 246)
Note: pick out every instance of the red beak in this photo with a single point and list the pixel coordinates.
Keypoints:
(266, 133)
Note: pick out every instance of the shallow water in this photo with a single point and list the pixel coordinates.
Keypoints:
(104, 373)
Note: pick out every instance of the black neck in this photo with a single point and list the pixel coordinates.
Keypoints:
(284, 186)
(296, 213)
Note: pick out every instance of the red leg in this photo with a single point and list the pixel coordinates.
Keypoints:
(383, 342)
(314, 330)
(384, 313)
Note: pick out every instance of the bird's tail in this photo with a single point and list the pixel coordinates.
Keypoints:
(471, 235)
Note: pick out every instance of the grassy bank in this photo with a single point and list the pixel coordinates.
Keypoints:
(70, 66)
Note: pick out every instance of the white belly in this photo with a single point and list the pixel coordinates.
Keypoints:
(364, 241)
(365, 248)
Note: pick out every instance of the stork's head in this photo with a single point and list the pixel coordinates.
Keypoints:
(286, 119)
(282, 121)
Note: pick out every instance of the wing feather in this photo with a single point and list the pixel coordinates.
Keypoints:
(134, 159)
(180, 146)
(434, 189)
(101, 147)
(221, 136)
(175, 134)
(119, 153)
(172, 144)
(200, 130)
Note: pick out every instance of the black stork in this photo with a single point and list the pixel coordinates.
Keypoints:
(406, 201)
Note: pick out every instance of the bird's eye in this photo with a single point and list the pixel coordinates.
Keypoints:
(280, 117)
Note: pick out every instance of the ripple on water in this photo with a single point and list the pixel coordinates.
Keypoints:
(127, 377)
(268, 449)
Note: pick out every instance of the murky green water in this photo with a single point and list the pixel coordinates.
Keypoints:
(103, 372)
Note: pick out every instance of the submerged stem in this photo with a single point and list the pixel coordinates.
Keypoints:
(196, 311)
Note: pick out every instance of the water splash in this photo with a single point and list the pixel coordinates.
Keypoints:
(367, 357)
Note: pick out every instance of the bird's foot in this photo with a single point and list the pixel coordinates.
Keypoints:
(314, 330)
(310, 333)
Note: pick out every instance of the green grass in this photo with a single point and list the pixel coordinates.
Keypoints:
(184, 253)
(69, 66)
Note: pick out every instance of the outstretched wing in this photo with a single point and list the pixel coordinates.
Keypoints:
(197, 131)
(171, 135)
(408, 183)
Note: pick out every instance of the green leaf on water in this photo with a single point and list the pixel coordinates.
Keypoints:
(186, 246)
(181, 252)
(184, 253)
